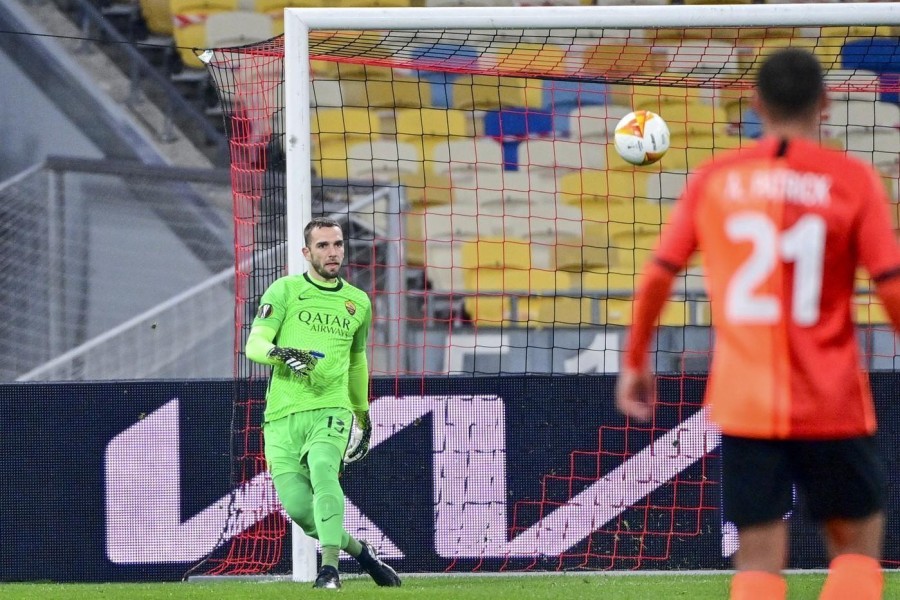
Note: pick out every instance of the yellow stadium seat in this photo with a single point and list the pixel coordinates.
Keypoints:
(273, 7)
(189, 25)
(334, 130)
(202, 6)
(589, 187)
(590, 253)
(490, 92)
(526, 58)
(496, 253)
(189, 32)
(341, 121)
(621, 60)
(632, 244)
(433, 121)
(430, 128)
(868, 310)
(675, 313)
(349, 43)
(502, 280)
(158, 16)
(352, 3)
(414, 239)
(402, 91)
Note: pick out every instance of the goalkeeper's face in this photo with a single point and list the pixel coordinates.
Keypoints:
(325, 252)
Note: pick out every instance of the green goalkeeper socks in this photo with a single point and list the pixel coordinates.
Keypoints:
(353, 547)
(330, 556)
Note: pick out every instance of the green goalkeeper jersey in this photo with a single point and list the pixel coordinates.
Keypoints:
(330, 321)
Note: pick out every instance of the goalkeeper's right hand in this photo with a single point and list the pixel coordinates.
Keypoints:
(299, 361)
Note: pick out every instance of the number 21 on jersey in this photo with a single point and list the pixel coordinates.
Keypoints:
(802, 244)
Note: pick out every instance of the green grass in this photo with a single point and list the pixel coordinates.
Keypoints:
(536, 587)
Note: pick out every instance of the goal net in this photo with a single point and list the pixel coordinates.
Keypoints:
(468, 154)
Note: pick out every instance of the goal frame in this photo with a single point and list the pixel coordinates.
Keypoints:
(299, 22)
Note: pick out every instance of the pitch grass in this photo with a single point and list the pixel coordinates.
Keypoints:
(536, 587)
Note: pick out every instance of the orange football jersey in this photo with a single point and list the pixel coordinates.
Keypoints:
(782, 228)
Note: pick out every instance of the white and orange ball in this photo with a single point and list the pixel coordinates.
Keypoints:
(642, 137)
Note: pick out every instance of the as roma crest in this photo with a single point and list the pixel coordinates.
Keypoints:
(351, 308)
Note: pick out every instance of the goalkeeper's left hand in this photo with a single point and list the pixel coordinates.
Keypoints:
(360, 436)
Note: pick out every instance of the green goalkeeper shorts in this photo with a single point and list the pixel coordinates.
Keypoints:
(288, 439)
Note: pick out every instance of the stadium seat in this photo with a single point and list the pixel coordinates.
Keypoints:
(464, 155)
(237, 28)
(561, 156)
(401, 91)
(325, 93)
(349, 3)
(688, 154)
(202, 6)
(497, 253)
(528, 59)
(385, 160)
(665, 186)
(565, 311)
(862, 114)
(158, 16)
(414, 239)
(880, 54)
(445, 57)
(593, 187)
(490, 92)
(563, 97)
(334, 131)
(620, 61)
(870, 130)
(589, 252)
(430, 128)
(494, 266)
(868, 310)
(632, 245)
(699, 58)
(852, 84)
(189, 25)
(596, 124)
(435, 122)
(511, 126)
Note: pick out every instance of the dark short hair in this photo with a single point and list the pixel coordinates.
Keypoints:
(317, 223)
(790, 83)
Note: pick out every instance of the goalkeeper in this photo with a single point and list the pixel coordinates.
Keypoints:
(313, 329)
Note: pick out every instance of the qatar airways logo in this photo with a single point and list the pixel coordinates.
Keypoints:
(326, 323)
(144, 523)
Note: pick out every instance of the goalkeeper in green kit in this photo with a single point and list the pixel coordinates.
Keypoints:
(313, 329)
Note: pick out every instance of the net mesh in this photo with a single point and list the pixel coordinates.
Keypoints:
(498, 231)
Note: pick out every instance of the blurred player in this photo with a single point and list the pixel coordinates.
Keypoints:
(782, 227)
(313, 328)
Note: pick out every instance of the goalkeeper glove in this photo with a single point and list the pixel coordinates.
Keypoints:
(299, 361)
(360, 436)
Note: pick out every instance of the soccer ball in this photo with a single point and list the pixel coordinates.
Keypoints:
(642, 137)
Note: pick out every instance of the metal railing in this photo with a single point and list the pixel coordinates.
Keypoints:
(146, 78)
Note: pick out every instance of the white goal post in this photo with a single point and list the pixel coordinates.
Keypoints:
(300, 22)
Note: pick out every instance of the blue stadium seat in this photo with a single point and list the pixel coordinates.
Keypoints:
(446, 56)
(881, 55)
(562, 97)
(512, 126)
